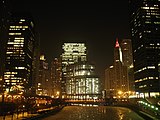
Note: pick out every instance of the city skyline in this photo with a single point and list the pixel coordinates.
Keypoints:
(57, 55)
(98, 25)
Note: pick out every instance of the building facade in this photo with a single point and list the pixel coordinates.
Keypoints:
(4, 28)
(110, 82)
(72, 52)
(116, 76)
(145, 29)
(56, 76)
(43, 83)
(126, 46)
(127, 56)
(82, 82)
(19, 53)
(120, 71)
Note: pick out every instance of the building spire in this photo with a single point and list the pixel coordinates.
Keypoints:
(117, 44)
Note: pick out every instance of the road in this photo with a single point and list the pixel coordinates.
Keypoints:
(94, 113)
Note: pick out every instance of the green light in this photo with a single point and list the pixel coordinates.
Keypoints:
(156, 108)
(152, 106)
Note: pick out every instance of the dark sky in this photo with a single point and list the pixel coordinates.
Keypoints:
(96, 24)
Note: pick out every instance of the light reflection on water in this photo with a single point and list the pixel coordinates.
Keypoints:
(94, 113)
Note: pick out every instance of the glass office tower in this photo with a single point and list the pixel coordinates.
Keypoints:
(145, 32)
(19, 53)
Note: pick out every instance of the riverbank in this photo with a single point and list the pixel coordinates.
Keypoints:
(45, 113)
(137, 110)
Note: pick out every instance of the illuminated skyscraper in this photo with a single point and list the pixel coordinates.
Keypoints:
(127, 56)
(82, 82)
(72, 53)
(19, 53)
(116, 76)
(4, 27)
(119, 69)
(145, 32)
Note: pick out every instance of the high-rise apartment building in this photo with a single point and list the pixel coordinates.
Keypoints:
(145, 32)
(19, 53)
(72, 53)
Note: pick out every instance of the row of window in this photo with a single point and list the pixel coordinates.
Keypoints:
(146, 78)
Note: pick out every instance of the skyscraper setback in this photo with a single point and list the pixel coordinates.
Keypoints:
(145, 32)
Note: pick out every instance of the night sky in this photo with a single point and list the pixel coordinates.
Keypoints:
(98, 25)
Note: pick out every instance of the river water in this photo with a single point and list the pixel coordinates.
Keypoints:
(94, 113)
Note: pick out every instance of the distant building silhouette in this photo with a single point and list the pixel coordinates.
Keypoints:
(43, 83)
(56, 77)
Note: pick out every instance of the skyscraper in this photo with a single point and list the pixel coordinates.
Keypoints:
(126, 47)
(82, 81)
(119, 69)
(4, 28)
(116, 76)
(145, 32)
(43, 83)
(55, 73)
(19, 53)
(127, 56)
(72, 53)
(110, 84)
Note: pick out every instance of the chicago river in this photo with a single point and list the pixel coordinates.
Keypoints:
(94, 113)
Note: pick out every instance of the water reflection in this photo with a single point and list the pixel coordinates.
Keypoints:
(95, 113)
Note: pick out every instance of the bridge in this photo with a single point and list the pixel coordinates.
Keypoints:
(151, 106)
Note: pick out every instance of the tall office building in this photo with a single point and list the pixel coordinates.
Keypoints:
(127, 56)
(72, 53)
(43, 83)
(126, 47)
(4, 28)
(116, 76)
(19, 53)
(56, 76)
(119, 69)
(145, 29)
(82, 82)
(110, 83)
